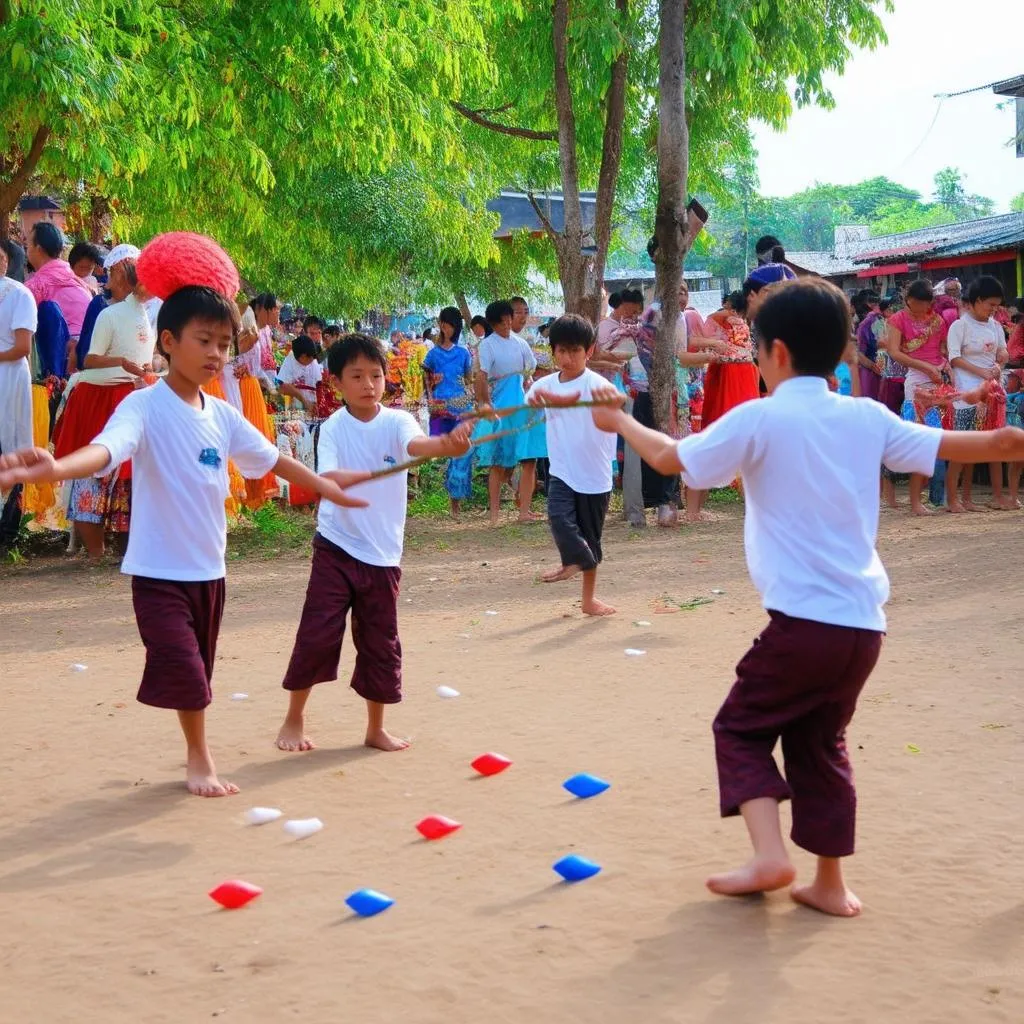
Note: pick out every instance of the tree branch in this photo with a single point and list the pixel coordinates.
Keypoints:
(542, 217)
(12, 189)
(477, 117)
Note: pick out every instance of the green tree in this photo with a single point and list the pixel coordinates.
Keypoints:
(953, 197)
(1017, 203)
(225, 117)
(575, 102)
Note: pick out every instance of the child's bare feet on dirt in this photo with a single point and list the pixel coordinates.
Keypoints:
(840, 902)
(201, 778)
(755, 876)
(955, 507)
(1002, 505)
(292, 737)
(563, 572)
(922, 510)
(970, 506)
(381, 739)
(530, 517)
(596, 607)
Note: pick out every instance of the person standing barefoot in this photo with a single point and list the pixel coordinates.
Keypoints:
(581, 458)
(809, 461)
(357, 558)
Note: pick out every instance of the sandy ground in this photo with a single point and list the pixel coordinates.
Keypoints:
(105, 862)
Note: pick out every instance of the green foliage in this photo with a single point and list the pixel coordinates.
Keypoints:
(1017, 203)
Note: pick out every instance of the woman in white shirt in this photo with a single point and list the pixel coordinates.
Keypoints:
(17, 322)
(977, 353)
(119, 358)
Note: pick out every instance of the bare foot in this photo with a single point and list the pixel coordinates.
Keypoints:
(1002, 505)
(381, 739)
(293, 737)
(921, 510)
(563, 572)
(840, 902)
(755, 876)
(970, 506)
(496, 520)
(596, 607)
(530, 517)
(956, 507)
(698, 517)
(201, 778)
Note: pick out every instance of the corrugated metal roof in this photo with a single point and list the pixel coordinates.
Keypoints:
(964, 237)
(824, 264)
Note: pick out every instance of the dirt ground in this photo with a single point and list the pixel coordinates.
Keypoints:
(105, 861)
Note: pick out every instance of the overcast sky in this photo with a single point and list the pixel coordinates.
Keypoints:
(885, 106)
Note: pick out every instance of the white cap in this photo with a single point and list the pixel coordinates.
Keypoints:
(121, 252)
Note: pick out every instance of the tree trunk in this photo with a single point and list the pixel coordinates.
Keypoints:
(15, 175)
(568, 246)
(670, 219)
(611, 160)
(101, 218)
(463, 303)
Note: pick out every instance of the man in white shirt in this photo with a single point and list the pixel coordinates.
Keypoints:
(809, 460)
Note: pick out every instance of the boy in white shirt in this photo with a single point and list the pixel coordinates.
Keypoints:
(300, 373)
(356, 558)
(809, 461)
(581, 456)
(180, 440)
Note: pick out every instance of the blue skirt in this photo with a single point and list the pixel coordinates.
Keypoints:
(507, 452)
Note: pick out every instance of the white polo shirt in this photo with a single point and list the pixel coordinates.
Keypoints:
(810, 464)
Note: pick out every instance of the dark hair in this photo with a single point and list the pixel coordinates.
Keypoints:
(10, 249)
(451, 316)
(304, 345)
(883, 305)
(265, 300)
(920, 290)
(333, 330)
(312, 321)
(571, 331)
(615, 300)
(195, 302)
(811, 317)
(350, 348)
(48, 237)
(498, 311)
(767, 243)
(84, 251)
(984, 287)
(518, 300)
(737, 301)
(751, 287)
(633, 295)
(479, 321)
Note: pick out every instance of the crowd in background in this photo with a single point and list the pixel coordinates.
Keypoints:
(78, 335)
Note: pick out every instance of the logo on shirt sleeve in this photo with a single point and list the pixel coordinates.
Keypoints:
(209, 457)
(389, 461)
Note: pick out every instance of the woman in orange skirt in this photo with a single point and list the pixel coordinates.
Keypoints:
(733, 378)
(119, 357)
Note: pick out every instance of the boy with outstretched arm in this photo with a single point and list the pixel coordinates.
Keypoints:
(356, 559)
(180, 440)
(809, 460)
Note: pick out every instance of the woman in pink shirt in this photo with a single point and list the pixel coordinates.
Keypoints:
(54, 280)
(916, 338)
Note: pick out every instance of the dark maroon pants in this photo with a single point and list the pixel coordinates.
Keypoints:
(179, 624)
(338, 582)
(799, 682)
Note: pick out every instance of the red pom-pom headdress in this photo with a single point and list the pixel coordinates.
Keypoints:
(178, 259)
